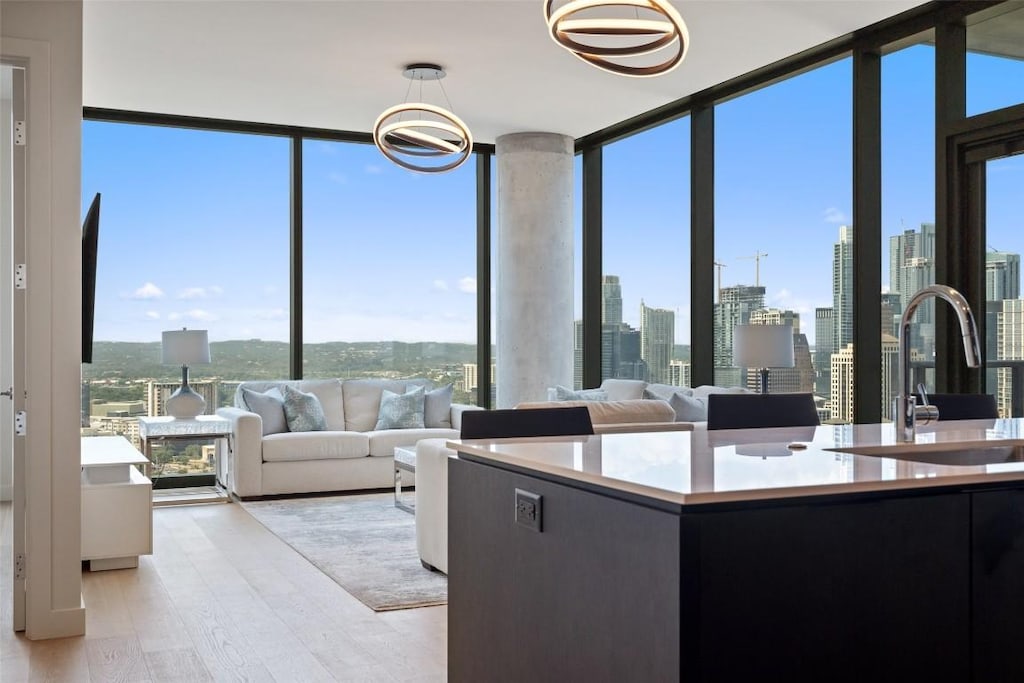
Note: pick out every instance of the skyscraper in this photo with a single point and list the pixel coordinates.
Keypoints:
(842, 287)
(1011, 347)
(611, 300)
(911, 267)
(735, 307)
(1002, 276)
(657, 341)
(824, 347)
(841, 395)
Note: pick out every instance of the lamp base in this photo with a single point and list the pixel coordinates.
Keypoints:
(185, 404)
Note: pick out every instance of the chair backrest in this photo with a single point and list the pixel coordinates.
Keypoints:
(498, 424)
(964, 406)
(747, 411)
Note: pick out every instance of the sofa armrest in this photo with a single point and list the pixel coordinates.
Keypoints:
(432, 502)
(457, 410)
(246, 466)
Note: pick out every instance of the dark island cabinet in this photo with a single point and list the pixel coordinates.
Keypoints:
(998, 585)
(592, 596)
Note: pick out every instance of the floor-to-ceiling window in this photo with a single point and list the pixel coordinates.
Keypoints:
(908, 207)
(193, 233)
(645, 287)
(389, 268)
(783, 230)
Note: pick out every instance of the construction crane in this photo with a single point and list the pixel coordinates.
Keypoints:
(757, 265)
(719, 265)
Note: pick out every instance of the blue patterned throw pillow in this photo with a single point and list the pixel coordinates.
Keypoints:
(303, 411)
(401, 411)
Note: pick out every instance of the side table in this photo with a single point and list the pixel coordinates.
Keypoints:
(117, 504)
(202, 427)
(405, 461)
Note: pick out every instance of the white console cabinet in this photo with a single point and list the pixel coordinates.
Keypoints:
(117, 504)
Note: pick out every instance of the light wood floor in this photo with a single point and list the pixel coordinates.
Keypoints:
(222, 599)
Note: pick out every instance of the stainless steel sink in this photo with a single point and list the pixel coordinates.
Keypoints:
(945, 453)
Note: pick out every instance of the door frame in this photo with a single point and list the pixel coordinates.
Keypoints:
(970, 144)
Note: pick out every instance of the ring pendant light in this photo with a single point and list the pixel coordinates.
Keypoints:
(605, 41)
(423, 137)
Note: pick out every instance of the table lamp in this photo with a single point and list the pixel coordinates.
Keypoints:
(763, 347)
(185, 347)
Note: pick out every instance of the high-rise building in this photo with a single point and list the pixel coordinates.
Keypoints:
(1011, 347)
(657, 341)
(911, 267)
(611, 300)
(471, 377)
(680, 373)
(892, 309)
(1002, 276)
(890, 373)
(824, 347)
(734, 308)
(841, 395)
(157, 394)
(776, 316)
(842, 287)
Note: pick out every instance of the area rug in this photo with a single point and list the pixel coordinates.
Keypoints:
(364, 543)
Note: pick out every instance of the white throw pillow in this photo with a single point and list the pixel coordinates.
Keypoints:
(269, 406)
(560, 393)
(437, 407)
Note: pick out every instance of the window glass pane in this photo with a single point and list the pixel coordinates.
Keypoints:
(389, 267)
(645, 330)
(908, 210)
(577, 291)
(995, 58)
(783, 230)
(1004, 331)
(193, 233)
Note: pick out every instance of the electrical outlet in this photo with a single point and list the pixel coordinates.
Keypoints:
(528, 509)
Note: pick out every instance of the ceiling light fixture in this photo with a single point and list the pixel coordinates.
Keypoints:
(423, 137)
(605, 41)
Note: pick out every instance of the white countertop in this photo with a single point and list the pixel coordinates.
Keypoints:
(690, 468)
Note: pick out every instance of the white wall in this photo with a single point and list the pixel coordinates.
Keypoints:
(6, 283)
(50, 34)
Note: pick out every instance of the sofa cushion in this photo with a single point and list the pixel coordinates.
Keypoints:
(328, 391)
(687, 407)
(401, 411)
(615, 412)
(560, 393)
(383, 443)
(624, 389)
(291, 446)
(703, 391)
(362, 401)
(303, 411)
(437, 407)
(269, 405)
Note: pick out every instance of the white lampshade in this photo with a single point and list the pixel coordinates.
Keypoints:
(185, 347)
(762, 346)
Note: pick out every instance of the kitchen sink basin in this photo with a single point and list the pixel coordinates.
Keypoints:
(961, 455)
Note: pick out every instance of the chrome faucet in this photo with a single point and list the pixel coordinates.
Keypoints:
(905, 409)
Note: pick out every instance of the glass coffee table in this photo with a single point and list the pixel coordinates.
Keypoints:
(405, 461)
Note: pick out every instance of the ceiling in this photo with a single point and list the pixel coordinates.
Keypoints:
(338, 63)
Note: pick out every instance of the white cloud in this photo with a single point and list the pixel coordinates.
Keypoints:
(200, 314)
(152, 315)
(834, 215)
(339, 178)
(467, 285)
(373, 169)
(441, 285)
(269, 290)
(215, 290)
(148, 291)
(270, 314)
(174, 316)
(192, 293)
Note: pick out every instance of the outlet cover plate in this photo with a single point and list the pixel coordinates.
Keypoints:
(528, 510)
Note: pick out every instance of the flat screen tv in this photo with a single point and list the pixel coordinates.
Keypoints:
(90, 240)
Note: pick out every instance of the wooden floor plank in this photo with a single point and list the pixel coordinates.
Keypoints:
(223, 599)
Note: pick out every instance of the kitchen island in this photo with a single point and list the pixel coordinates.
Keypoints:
(825, 554)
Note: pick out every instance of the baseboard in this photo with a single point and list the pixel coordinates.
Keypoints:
(319, 494)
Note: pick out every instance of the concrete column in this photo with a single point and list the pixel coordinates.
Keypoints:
(535, 266)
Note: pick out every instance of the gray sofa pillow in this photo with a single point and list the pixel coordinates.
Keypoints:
(303, 411)
(687, 407)
(437, 407)
(269, 406)
(401, 411)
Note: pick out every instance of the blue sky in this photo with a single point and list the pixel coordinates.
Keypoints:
(194, 226)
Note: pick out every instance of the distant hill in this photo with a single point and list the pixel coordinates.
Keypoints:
(251, 359)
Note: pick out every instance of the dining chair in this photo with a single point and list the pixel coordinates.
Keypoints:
(505, 423)
(747, 411)
(964, 406)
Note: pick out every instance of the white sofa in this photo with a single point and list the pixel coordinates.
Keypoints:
(349, 455)
(629, 415)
